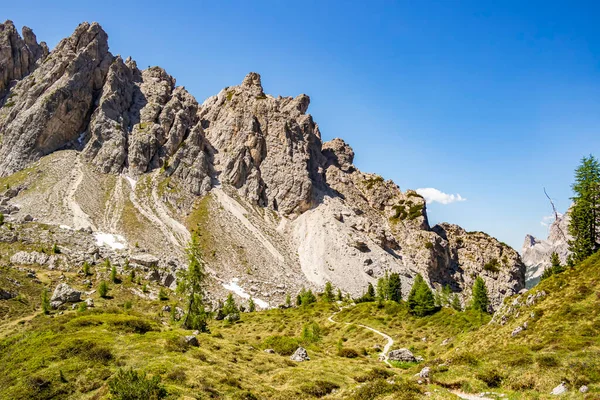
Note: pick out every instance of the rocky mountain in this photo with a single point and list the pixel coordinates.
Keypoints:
(110, 161)
(536, 252)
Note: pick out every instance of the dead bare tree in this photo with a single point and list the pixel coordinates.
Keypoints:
(555, 215)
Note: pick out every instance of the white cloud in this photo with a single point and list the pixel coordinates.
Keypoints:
(547, 220)
(433, 195)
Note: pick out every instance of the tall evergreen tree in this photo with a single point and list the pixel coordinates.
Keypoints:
(191, 284)
(382, 287)
(328, 295)
(480, 296)
(420, 299)
(456, 303)
(585, 212)
(394, 287)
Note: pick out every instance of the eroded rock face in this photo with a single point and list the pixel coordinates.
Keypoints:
(18, 55)
(329, 221)
(51, 106)
(536, 253)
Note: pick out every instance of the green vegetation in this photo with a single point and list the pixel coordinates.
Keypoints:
(480, 296)
(1, 219)
(305, 297)
(555, 267)
(328, 293)
(191, 285)
(371, 182)
(492, 266)
(113, 275)
(131, 385)
(389, 287)
(420, 299)
(45, 302)
(585, 212)
(103, 289)
(407, 210)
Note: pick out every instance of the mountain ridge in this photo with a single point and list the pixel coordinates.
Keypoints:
(131, 154)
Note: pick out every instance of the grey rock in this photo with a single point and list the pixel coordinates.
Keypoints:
(89, 303)
(6, 295)
(191, 340)
(584, 389)
(425, 372)
(63, 293)
(269, 351)
(517, 330)
(232, 317)
(300, 355)
(147, 260)
(560, 389)
(29, 258)
(403, 355)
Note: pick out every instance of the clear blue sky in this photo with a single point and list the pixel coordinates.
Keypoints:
(492, 100)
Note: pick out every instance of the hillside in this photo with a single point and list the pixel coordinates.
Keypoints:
(74, 353)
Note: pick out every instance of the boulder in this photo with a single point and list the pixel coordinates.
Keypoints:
(270, 351)
(89, 302)
(517, 330)
(232, 317)
(64, 294)
(147, 260)
(403, 355)
(5, 295)
(425, 372)
(560, 389)
(584, 389)
(300, 355)
(191, 340)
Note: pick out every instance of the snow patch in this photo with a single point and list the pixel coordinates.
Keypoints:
(131, 181)
(116, 242)
(65, 227)
(237, 289)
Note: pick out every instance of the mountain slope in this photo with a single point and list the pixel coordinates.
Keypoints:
(92, 143)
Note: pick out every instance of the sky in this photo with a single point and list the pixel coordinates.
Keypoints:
(480, 104)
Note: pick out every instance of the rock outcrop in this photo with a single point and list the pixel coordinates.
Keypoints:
(19, 56)
(246, 169)
(64, 294)
(536, 253)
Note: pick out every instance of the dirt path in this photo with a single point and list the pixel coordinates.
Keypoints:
(80, 218)
(7, 326)
(386, 349)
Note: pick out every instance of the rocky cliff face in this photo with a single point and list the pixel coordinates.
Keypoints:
(536, 253)
(114, 150)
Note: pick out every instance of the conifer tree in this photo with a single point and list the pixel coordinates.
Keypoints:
(456, 303)
(230, 307)
(45, 302)
(251, 305)
(339, 295)
(480, 296)
(288, 300)
(420, 299)
(328, 295)
(394, 287)
(191, 284)
(585, 212)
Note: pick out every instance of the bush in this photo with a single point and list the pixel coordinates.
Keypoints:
(129, 385)
(86, 350)
(132, 325)
(177, 344)
(311, 333)
(103, 289)
(283, 345)
(162, 294)
(348, 353)
(45, 302)
(374, 374)
(319, 388)
(492, 266)
(491, 377)
(1, 219)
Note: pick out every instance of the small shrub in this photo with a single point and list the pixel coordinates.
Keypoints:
(1, 219)
(55, 249)
(319, 388)
(131, 385)
(466, 358)
(162, 294)
(86, 350)
(347, 353)
(429, 245)
(103, 289)
(132, 325)
(86, 269)
(128, 305)
(492, 266)
(177, 344)
(547, 361)
(311, 333)
(82, 307)
(374, 374)
(283, 345)
(491, 377)
(45, 302)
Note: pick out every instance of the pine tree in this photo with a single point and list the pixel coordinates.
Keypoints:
(288, 300)
(445, 298)
(328, 293)
(191, 284)
(394, 287)
(382, 290)
(103, 289)
(251, 305)
(45, 302)
(113, 274)
(586, 210)
(1, 219)
(86, 268)
(456, 303)
(339, 295)
(230, 307)
(480, 296)
(420, 299)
